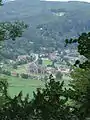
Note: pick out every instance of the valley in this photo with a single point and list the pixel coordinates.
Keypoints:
(41, 50)
(44, 60)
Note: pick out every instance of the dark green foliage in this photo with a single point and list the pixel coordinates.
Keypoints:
(9, 30)
(85, 65)
(25, 76)
(45, 78)
(77, 62)
(53, 63)
(83, 48)
(83, 44)
(81, 93)
(6, 72)
(49, 103)
(14, 66)
(40, 61)
(1, 3)
(21, 62)
(4, 98)
(81, 82)
(16, 109)
(59, 75)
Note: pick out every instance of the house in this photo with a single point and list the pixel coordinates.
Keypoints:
(1, 65)
(50, 70)
(14, 74)
(64, 70)
(35, 68)
(11, 61)
(22, 57)
(52, 56)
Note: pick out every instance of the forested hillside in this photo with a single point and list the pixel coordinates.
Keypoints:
(50, 23)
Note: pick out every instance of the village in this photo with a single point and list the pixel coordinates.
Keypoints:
(38, 66)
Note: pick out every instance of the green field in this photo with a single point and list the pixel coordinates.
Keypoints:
(25, 85)
(47, 62)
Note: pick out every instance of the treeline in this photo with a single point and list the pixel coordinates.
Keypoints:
(9, 73)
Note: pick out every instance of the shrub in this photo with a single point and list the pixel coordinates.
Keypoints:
(15, 66)
(21, 62)
(59, 75)
(17, 74)
(6, 72)
(25, 76)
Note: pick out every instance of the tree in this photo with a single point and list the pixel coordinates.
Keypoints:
(16, 109)
(81, 79)
(59, 75)
(6, 72)
(50, 103)
(10, 30)
(45, 78)
(81, 82)
(25, 76)
(83, 48)
(15, 66)
(81, 92)
(40, 61)
(3, 92)
(0, 2)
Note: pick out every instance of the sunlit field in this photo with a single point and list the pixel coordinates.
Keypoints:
(47, 62)
(27, 86)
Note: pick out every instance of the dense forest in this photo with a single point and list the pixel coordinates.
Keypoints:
(48, 27)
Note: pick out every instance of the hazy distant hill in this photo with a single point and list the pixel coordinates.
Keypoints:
(50, 23)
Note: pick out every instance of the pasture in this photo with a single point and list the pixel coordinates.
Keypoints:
(47, 62)
(27, 86)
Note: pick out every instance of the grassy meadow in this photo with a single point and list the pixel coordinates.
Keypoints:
(47, 62)
(27, 86)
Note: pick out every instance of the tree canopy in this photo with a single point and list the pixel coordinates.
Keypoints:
(81, 76)
(83, 48)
